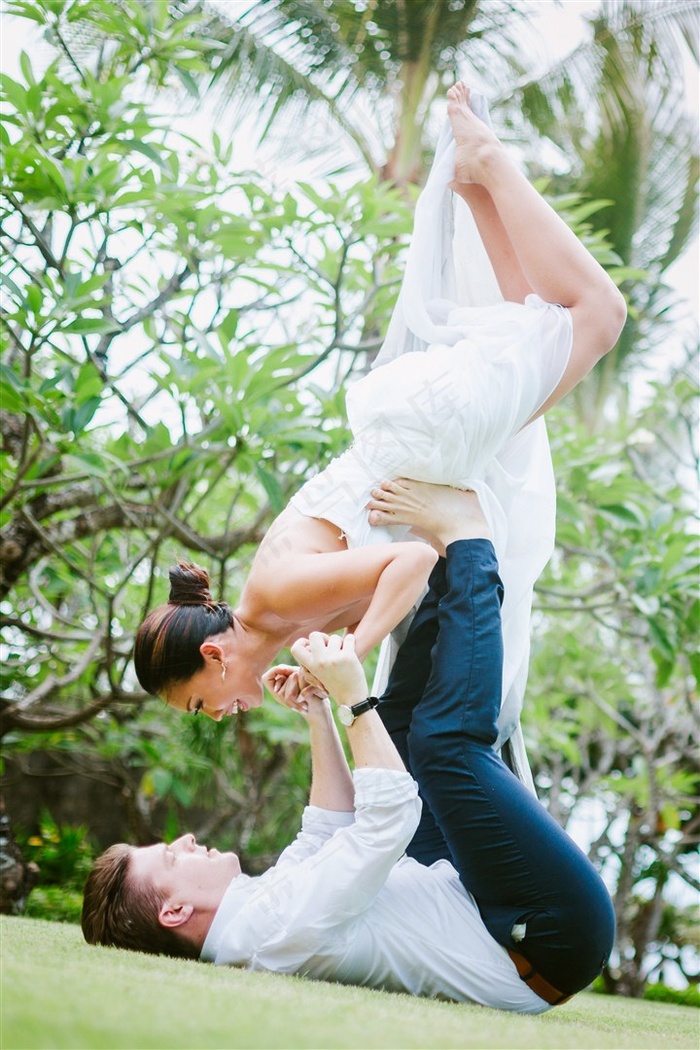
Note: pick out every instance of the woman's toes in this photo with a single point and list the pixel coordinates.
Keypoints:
(393, 485)
(379, 517)
(459, 92)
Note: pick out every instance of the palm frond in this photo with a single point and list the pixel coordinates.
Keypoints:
(372, 65)
(615, 109)
(616, 112)
(265, 70)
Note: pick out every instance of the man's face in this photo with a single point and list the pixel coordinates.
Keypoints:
(185, 872)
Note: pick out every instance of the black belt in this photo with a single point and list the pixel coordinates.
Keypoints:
(539, 985)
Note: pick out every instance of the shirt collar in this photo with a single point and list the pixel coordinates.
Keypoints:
(233, 900)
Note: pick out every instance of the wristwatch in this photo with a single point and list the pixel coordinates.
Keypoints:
(347, 714)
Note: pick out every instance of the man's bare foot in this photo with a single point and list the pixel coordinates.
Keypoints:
(476, 143)
(441, 513)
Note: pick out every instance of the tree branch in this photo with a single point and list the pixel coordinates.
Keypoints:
(14, 717)
(49, 258)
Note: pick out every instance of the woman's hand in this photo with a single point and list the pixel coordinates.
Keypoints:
(294, 687)
(331, 660)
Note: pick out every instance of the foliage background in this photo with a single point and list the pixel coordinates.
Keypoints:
(177, 333)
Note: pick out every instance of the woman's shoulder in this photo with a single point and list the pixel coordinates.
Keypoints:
(291, 535)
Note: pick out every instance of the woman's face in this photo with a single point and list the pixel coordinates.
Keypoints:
(213, 693)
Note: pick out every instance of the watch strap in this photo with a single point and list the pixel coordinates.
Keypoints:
(364, 705)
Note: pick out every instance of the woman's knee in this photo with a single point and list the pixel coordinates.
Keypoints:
(598, 321)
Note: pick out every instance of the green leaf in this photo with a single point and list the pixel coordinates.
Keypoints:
(143, 195)
(158, 439)
(71, 284)
(182, 458)
(625, 512)
(88, 383)
(694, 661)
(662, 640)
(181, 793)
(9, 283)
(228, 327)
(10, 398)
(55, 176)
(15, 92)
(86, 325)
(26, 67)
(93, 462)
(76, 419)
(147, 786)
(34, 298)
(204, 344)
(162, 782)
(147, 150)
(188, 81)
(647, 606)
(664, 668)
(29, 9)
(670, 816)
(272, 488)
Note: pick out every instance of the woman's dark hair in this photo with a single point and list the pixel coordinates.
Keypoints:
(168, 640)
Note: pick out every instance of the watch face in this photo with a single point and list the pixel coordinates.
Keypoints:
(345, 715)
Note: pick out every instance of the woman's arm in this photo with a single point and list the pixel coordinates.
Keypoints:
(398, 589)
(324, 590)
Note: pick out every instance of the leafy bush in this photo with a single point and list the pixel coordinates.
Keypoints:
(64, 856)
(55, 903)
(661, 993)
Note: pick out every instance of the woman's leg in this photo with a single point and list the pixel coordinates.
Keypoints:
(537, 893)
(512, 282)
(531, 246)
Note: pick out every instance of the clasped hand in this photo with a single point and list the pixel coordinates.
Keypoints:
(328, 665)
(295, 688)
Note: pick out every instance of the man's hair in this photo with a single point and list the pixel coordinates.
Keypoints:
(119, 913)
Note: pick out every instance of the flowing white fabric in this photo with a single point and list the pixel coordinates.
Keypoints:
(458, 377)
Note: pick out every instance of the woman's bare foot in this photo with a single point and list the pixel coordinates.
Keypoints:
(441, 513)
(476, 143)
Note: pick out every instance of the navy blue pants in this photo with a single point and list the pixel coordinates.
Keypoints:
(441, 706)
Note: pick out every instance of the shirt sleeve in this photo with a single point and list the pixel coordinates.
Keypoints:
(317, 826)
(298, 904)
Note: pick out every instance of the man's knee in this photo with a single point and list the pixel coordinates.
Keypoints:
(458, 732)
(441, 756)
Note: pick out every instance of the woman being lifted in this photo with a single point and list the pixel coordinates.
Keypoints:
(462, 410)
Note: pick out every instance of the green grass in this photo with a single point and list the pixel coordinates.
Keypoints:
(59, 993)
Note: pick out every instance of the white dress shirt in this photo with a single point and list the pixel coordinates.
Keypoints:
(344, 904)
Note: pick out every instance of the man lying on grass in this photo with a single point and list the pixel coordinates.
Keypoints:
(493, 904)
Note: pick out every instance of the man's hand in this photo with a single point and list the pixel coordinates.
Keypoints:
(331, 660)
(293, 687)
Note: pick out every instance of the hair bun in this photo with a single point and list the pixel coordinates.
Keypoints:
(189, 585)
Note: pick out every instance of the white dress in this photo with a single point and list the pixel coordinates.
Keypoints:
(456, 381)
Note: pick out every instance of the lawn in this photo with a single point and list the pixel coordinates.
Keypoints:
(59, 993)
